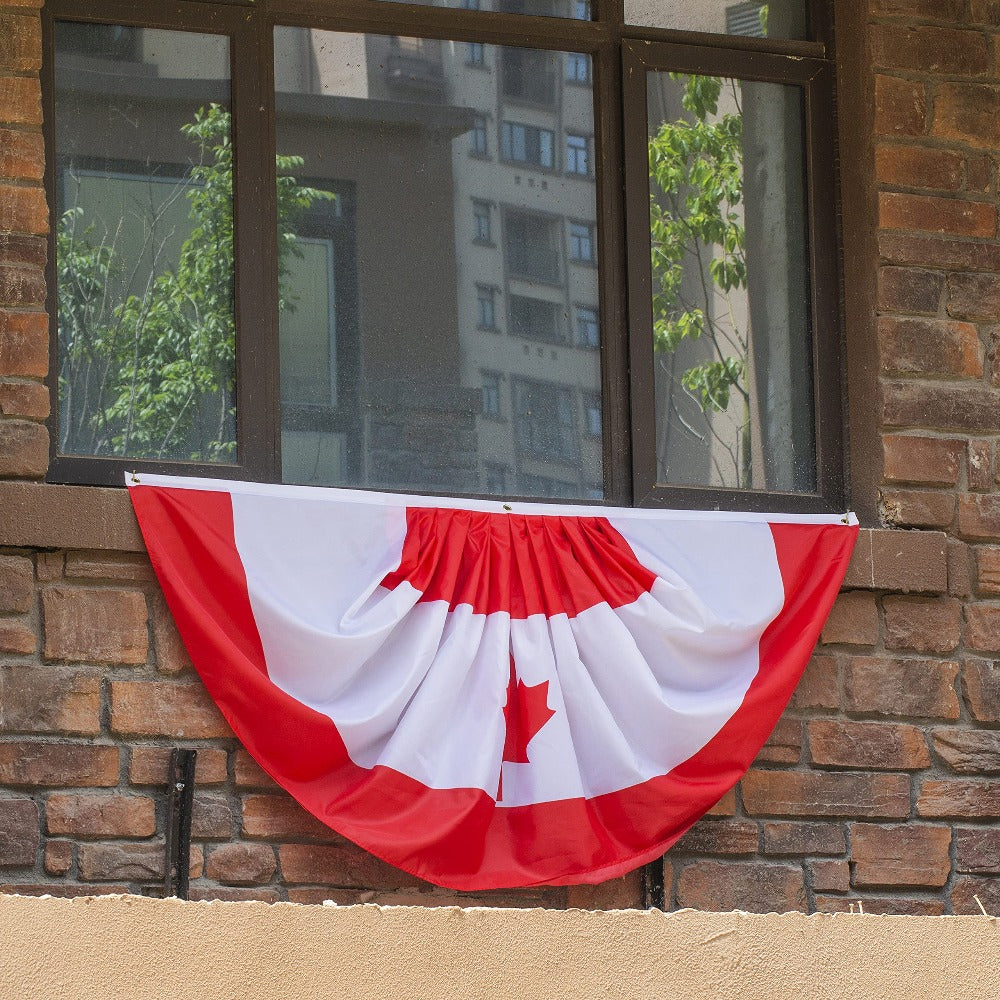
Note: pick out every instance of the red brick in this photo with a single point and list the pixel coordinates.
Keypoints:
(22, 155)
(979, 516)
(910, 458)
(17, 581)
(715, 836)
(977, 851)
(20, 100)
(918, 167)
(152, 708)
(900, 107)
(993, 356)
(969, 751)
(58, 857)
(248, 773)
(964, 893)
(171, 654)
(24, 399)
(21, 286)
(726, 806)
(19, 248)
(37, 699)
(23, 209)
(961, 798)
(815, 793)
(784, 745)
(900, 855)
(931, 214)
(929, 347)
(982, 630)
(819, 687)
(936, 50)
(968, 113)
(49, 566)
(616, 894)
(979, 465)
(279, 817)
(910, 561)
(17, 637)
(959, 569)
(95, 626)
(241, 864)
(974, 296)
(121, 566)
(984, 12)
(58, 764)
(24, 343)
(20, 42)
(150, 766)
(923, 624)
(100, 815)
(341, 864)
(981, 686)
(234, 895)
(909, 290)
(935, 251)
(24, 449)
(125, 862)
(902, 687)
(804, 838)
(853, 620)
(891, 906)
(978, 173)
(757, 888)
(917, 508)
(867, 745)
(830, 876)
(211, 818)
(19, 836)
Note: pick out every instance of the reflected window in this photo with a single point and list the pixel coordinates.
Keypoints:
(577, 67)
(543, 415)
(577, 154)
(491, 395)
(482, 222)
(475, 54)
(528, 144)
(587, 329)
(582, 245)
(486, 304)
(477, 136)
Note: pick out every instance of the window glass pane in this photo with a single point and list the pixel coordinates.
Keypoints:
(579, 9)
(731, 325)
(774, 19)
(144, 243)
(424, 228)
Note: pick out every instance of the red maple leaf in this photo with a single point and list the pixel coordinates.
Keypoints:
(525, 713)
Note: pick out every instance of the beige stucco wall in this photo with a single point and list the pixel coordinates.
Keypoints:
(132, 947)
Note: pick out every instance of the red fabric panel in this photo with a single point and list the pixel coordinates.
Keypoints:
(524, 564)
(459, 838)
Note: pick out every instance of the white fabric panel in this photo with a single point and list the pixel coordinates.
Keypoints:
(409, 685)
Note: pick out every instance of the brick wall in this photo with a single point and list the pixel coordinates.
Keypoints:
(879, 783)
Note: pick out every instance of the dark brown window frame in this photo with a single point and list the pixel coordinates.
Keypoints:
(618, 53)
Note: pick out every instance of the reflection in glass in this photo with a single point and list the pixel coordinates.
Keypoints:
(427, 284)
(144, 243)
(579, 9)
(731, 325)
(757, 18)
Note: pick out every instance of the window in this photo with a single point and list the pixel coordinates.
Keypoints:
(535, 319)
(486, 307)
(588, 332)
(329, 327)
(491, 395)
(581, 242)
(482, 221)
(577, 154)
(543, 415)
(532, 243)
(528, 76)
(528, 144)
(577, 67)
(477, 136)
(494, 478)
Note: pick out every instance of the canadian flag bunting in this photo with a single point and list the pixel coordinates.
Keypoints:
(486, 694)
